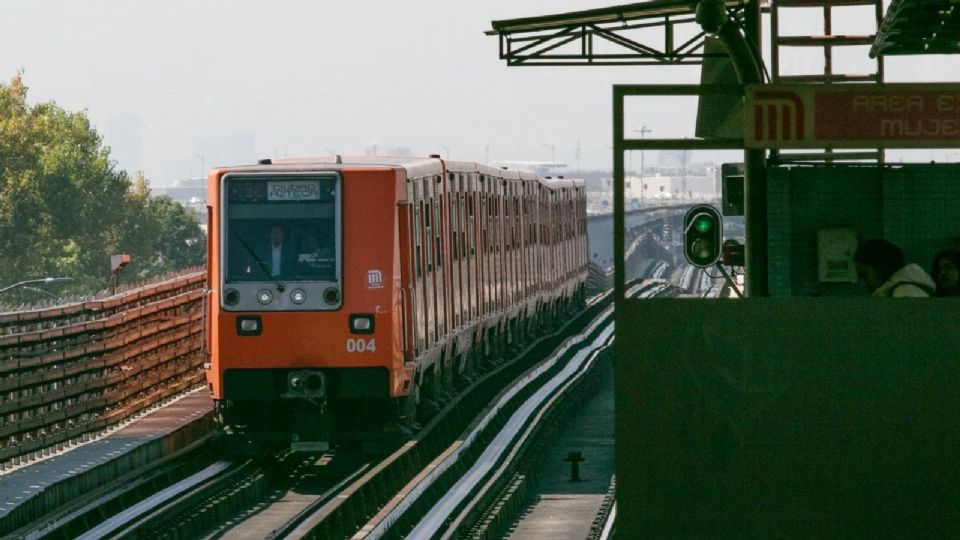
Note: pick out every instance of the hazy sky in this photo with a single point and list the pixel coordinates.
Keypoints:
(176, 86)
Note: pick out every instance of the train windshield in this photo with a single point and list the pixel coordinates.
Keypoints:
(281, 228)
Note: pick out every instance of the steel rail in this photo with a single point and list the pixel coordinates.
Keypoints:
(118, 493)
(608, 526)
(505, 451)
(486, 512)
(295, 528)
(126, 522)
(412, 493)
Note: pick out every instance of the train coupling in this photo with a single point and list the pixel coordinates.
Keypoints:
(309, 384)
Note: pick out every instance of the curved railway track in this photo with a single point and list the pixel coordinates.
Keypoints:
(445, 481)
(319, 496)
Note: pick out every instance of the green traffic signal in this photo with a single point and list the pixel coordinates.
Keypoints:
(702, 237)
(703, 224)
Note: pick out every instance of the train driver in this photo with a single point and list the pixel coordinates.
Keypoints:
(280, 258)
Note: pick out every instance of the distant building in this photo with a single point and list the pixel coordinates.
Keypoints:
(192, 194)
(189, 190)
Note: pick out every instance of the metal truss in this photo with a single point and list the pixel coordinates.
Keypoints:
(575, 39)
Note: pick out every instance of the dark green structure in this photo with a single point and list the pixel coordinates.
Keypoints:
(788, 418)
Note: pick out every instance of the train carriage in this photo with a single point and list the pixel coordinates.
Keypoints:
(348, 297)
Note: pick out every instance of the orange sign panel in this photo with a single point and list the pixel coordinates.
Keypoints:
(852, 116)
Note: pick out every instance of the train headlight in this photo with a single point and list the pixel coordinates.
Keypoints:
(361, 324)
(249, 326)
(231, 297)
(298, 296)
(331, 295)
(264, 297)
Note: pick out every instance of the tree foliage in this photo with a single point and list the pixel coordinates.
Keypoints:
(65, 207)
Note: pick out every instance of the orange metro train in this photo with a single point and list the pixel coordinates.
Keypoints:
(348, 296)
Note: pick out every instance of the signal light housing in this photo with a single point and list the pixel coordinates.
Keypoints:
(702, 235)
(733, 254)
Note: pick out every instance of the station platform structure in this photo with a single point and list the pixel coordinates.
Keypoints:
(34, 490)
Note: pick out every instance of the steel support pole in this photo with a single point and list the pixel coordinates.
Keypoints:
(755, 178)
(745, 57)
(619, 220)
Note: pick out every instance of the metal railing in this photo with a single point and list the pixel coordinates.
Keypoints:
(69, 371)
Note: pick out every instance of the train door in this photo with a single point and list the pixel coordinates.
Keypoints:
(498, 212)
(585, 250)
(538, 236)
(473, 267)
(453, 245)
(539, 217)
(509, 247)
(408, 282)
(487, 216)
(424, 299)
(461, 251)
(532, 238)
(564, 217)
(430, 244)
(525, 238)
(506, 243)
(440, 255)
(552, 235)
(515, 241)
(511, 232)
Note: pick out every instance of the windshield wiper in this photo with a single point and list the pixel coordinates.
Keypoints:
(263, 265)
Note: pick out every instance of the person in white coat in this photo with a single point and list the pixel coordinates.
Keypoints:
(883, 271)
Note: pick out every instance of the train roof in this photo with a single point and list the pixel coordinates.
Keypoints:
(563, 182)
(415, 167)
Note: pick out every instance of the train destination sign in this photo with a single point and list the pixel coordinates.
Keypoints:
(852, 116)
(296, 190)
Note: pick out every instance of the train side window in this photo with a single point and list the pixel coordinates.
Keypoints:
(472, 227)
(461, 225)
(506, 227)
(419, 267)
(428, 238)
(438, 252)
(455, 229)
(498, 224)
(416, 240)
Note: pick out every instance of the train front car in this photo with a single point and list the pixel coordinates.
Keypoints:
(305, 307)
